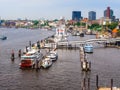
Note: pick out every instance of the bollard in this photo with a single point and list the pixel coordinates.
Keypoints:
(12, 56)
(19, 53)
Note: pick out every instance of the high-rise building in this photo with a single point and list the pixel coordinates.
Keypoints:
(108, 13)
(76, 15)
(92, 15)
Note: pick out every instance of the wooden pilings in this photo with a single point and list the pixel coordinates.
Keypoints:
(85, 84)
(105, 88)
(13, 54)
(85, 65)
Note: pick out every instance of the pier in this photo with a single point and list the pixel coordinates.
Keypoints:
(113, 42)
(85, 65)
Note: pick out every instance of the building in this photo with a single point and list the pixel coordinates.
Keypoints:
(92, 15)
(76, 15)
(108, 13)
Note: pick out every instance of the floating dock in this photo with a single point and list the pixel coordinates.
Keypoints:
(105, 88)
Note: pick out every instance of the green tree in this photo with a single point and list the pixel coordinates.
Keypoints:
(77, 24)
(95, 27)
(35, 22)
(112, 25)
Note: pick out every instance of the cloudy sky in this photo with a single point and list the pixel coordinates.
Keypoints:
(52, 9)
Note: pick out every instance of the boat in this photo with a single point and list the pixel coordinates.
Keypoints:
(46, 62)
(88, 48)
(29, 59)
(61, 34)
(81, 34)
(78, 33)
(2, 37)
(52, 55)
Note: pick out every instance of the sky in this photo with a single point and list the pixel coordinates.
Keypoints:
(54, 9)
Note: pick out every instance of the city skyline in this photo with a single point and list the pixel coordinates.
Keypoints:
(37, 9)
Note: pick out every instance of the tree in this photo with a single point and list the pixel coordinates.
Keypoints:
(95, 27)
(80, 24)
(112, 25)
(35, 22)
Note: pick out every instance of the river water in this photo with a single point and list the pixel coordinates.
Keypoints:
(64, 74)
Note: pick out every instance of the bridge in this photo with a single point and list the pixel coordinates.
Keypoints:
(92, 41)
(82, 42)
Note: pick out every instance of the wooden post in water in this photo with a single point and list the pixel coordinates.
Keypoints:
(90, 66)
(97, 82)
(12, 56)
(88, 83)
(19, 53)
(26, 49)
(75, 46)
(84, 85)
(30, 44)
(111, 84)
(37, 65)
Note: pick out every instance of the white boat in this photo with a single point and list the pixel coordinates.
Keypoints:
(30, 58)
(61, 34)
(78, 33)
(88, 48)
(53, 55)
(47, 62)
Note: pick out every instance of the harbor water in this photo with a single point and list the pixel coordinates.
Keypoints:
(64, 74)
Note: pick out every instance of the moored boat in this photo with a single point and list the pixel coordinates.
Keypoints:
(29, 59)
(3, 37)
(78, 33)
(46, 62)
(53, 55)
(61, 34)
(88, 48)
